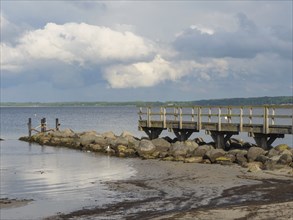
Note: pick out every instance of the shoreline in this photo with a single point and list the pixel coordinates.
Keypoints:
(168, 190)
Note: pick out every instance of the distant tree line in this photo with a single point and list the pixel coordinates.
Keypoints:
(278, 100)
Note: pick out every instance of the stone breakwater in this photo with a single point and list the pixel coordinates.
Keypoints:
(191, 151)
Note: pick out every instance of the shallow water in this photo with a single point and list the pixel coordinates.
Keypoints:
(57, 179)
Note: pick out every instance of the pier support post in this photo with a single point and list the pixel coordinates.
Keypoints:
(153, 133)
(221, 138)
(57, 124)
(29, 124)
(43, 125)
(265, 140)
(183, 134)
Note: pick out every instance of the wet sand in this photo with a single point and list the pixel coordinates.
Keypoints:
(6, 203)
(174, 190)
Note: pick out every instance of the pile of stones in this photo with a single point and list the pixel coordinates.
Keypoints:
(191, 151)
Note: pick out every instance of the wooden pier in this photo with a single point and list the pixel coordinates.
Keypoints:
(264, 123)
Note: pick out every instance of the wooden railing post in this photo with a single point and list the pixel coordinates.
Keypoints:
(180, 117)
(219, 119)
(29, 124)
(229, 115)
(164, 117)
(149, 112)
(266, 120)
(192, 114)
(241, 119)
(210, 117)
(273, 116)
(250, 116)
(199, 118)
(175, 113)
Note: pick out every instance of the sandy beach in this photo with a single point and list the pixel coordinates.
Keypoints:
(176, 190)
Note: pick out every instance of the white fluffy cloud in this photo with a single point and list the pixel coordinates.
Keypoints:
(123, 57)
(74, 43)
(147, 74)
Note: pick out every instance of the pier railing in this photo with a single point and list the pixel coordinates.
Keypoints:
(272, 120)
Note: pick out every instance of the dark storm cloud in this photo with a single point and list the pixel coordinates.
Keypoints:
(246, 42)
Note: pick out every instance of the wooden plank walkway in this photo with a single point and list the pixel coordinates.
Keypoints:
(264, 123)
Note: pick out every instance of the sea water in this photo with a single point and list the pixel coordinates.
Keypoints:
(60, 179)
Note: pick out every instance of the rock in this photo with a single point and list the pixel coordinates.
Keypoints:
(254, 152)
(169, 158)
(100, 140)
(191, 144)
(262, 158)
(117, 141)
(285, 159)
(161, 144)
(224, 160)
(272, 152)
(109, 134)
(93, 147)
(123, 151)
(282, 147)
(179, 158)
(214, 153)
(193, 160)
(254, 166)
(181, 149)
(126, 134)
(89, 138)
(287, 152)
(146, 148)
(201, 150)
(231, 157)
(67, 133)
(241, 159)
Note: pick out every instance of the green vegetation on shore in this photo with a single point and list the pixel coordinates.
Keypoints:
(278, 100)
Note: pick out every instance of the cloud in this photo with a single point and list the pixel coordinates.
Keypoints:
(74, 43)
(147, 74)
(247, 41)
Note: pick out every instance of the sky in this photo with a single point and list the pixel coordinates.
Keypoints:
(58, 51)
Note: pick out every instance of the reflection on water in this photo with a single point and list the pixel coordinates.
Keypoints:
(57, 179)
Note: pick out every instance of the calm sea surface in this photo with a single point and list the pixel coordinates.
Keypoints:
(60, 179)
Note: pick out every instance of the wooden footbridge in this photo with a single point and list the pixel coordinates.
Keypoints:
(264, 123)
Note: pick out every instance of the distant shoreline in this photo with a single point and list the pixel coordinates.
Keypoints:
(277, 100)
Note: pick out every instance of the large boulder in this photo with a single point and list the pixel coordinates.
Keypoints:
(161, 144)
(146, 148)
(118, 141)
(213, 154)
(181, 149)
(87, 138)
(201, 150)
(282, 147)
(123, 151)
(285, 159)
(273, 152)
(241, 158)
(254, 152)
(109, 134)
(66, 133)
(126, 134)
